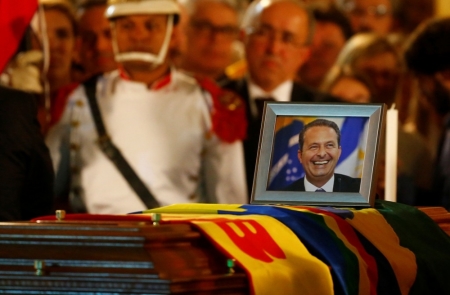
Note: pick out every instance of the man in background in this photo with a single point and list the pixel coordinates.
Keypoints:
(427, 55)
(332, 30)
(277, 37)
(369, 15)
(95, 45)
(211, 35)
(26, 174)
(159, 120)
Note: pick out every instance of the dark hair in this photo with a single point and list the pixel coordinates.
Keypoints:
(87, 4)
(407, 17)
(330, 14)
(316, 123)
(428, 49)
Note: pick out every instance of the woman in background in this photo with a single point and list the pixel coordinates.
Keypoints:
(347, 85)
(60, 32)
(377, 58)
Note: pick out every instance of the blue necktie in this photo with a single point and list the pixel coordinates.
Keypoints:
(321, 190)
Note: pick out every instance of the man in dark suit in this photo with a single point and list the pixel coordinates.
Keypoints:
(26, 173)
(277, 39)
(427, 56)
(319, 152)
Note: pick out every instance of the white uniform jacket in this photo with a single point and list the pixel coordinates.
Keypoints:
(165, 136)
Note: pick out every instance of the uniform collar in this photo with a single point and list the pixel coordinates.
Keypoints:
(157, 85)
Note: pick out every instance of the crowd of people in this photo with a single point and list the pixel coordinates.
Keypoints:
(147, 103)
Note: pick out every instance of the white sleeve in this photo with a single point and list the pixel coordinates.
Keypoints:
(224, 172)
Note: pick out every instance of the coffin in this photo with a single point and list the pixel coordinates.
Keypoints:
(113, 257)
(230, 249)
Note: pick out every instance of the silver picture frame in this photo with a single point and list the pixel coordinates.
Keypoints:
(272, 160)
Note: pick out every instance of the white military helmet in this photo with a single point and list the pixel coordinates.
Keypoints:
(118, 8)
(130, 7)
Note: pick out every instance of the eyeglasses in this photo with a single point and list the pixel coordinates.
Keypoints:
(206, 28)
(266, 33)
(377, 11)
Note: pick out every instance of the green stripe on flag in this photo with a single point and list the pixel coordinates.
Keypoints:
(429, 243)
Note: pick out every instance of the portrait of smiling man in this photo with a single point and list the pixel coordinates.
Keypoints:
(319, 152)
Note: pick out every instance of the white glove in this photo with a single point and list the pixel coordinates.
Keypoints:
(24, 72)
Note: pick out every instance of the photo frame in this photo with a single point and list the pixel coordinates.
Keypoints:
(278, 167)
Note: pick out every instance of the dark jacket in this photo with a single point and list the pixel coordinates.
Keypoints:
(342, 183)
(26, 172)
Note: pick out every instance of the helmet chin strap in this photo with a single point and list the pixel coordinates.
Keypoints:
(145, 56)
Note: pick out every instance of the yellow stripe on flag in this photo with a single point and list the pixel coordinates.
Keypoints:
(372, 225)
(275, 259)
(196, 208)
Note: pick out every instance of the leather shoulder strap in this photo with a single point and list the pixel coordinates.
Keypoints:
(112, 152)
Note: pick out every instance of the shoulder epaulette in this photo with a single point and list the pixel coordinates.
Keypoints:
(229, 121)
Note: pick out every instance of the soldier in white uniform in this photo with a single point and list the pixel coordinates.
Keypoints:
(161, 120)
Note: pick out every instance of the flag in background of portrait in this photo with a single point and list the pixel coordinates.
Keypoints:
(15, 17)
(285, 167)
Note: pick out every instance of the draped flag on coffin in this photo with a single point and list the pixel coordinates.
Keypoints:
(392, 249)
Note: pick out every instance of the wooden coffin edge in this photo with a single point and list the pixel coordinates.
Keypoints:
(439, 215)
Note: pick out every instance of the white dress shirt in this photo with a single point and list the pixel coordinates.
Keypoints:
(281, 93)
(328, 187)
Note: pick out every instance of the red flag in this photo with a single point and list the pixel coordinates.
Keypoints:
(14, 19)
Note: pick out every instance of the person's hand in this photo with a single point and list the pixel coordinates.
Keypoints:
(24, 73)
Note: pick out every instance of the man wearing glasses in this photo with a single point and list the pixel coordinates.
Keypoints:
(277, 36)
(211, 36)
(369, 15)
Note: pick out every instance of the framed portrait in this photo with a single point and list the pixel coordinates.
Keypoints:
(337, 164)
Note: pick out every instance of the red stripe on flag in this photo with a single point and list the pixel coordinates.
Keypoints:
(347, 230)
(14, 19)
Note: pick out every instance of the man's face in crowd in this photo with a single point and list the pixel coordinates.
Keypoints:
(327, 43)
(383, 70)
(370, 15)
(179, 38)
(211, 31)
(96, 50)
(275, 48)
(140, 33)
(61, 41)
(319, 154)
